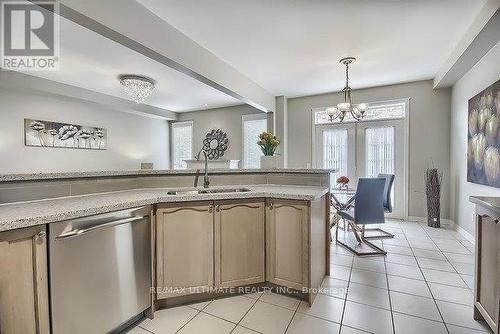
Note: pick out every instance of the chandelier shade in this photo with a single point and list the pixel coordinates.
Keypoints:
(137, 87)
(340, 111)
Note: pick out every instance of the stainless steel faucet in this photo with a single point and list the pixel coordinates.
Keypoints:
(206, 180)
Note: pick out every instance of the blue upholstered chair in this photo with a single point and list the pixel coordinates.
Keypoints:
(368, 209)
(389, 181)
(380, 233)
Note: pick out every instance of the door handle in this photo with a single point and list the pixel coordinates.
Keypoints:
(77, 232)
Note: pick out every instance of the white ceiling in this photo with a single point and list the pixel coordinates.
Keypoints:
(292, 47)
(91, 61)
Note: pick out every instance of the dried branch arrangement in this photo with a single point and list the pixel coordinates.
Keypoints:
(433, 180)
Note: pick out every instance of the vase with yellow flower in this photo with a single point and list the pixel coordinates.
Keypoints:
(268, 144)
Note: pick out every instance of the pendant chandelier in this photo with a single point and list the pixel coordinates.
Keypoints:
(340, 111)
(138, 88)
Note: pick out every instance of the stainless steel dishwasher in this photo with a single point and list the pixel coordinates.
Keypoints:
(100, 271)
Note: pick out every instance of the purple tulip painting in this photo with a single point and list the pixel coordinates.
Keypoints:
(54, 134)
(483, 150)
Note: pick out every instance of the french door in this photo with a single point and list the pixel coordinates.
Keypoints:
(365, 149)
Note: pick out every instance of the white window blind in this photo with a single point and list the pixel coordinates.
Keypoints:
(253, 126)
(335, 152)
(182, 144)
(379, 151)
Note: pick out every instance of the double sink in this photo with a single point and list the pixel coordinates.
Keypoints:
(208, 191)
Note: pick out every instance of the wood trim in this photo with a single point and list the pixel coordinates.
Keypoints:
(217, 248)
(30, 310)
(485, 220)
(40, 282)
(318, 245)
(272, 206)
(150, 312)
(259, 253)
(328, 232)
(174, 210)
(182, 204)
(240, 201)
(292, 202)
(159, 251)
(237, 205)
(206, 206)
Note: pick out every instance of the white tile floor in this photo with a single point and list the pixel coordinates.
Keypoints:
(423, 285)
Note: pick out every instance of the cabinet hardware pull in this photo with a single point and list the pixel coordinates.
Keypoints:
(41, 235)
(217, 208)
(77, 232)
(271, 206)
(210, 208)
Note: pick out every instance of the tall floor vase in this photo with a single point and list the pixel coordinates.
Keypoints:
(433, 179)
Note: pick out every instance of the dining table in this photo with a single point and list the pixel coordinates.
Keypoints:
(342, 198)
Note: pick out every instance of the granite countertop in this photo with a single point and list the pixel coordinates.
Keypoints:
(150, 172)
(25, 214)
(492, 203)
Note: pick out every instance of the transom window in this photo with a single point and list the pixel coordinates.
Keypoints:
(377, 111)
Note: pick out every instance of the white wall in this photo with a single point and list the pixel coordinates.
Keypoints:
(429, 132)
(483, 74)
(227, 119)
(132, 139)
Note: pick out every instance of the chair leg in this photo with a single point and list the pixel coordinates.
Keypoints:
(380, 251)
(382, 234)
(360, 238)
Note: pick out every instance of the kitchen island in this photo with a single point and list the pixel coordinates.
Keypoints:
(204, 244)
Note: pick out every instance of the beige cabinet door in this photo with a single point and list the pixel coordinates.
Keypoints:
(287, 243)
(239, 243)
(184, 249)
(24, 305)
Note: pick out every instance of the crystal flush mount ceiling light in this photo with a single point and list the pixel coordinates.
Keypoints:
(137, 87)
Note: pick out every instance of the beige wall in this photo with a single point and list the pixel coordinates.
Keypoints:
(132, 139)
(429, 132)
(227, 119)
(483, 74)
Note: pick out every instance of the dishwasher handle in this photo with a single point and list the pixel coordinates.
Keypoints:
(77, 232)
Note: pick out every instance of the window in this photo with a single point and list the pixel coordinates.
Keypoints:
(379, 150)
(335, 152)
(182, 144)
(377, 111)
(253, 126)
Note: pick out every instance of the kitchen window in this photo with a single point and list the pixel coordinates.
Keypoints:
(253, 126)
(182, 143)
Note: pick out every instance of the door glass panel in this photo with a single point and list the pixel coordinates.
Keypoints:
(335, 153)
(379, 152)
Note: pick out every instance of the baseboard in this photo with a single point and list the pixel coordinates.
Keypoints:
(448, 222)
(444, 221)
(469, 237)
